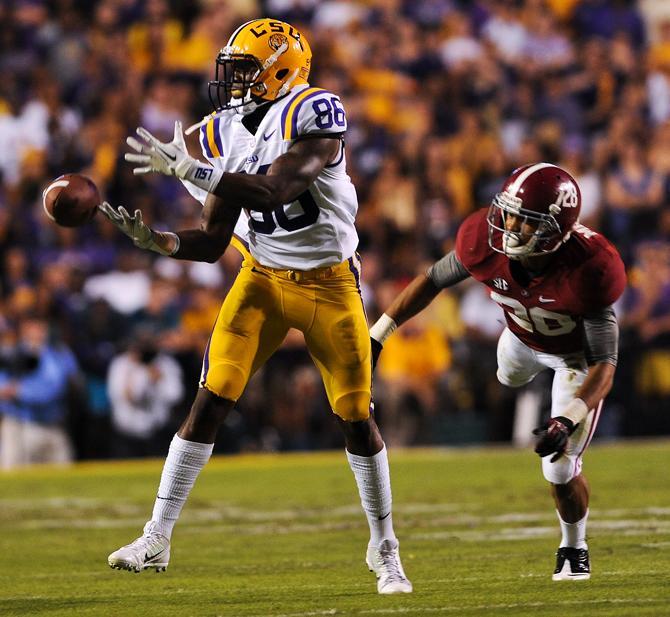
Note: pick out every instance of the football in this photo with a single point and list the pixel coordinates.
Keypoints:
(71, 200)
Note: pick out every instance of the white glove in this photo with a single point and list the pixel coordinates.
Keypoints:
(135, 228)
(170, 159)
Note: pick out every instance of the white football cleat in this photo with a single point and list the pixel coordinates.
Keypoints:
(150, 550)
(384, 561)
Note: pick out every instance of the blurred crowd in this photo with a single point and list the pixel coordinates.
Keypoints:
(101, 343)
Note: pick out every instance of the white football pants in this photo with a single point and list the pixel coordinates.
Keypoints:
(518, 364)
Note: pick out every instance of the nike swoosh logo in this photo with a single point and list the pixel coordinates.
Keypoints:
(147, 557)
(546, 299)
(381, 518)
(266, 136)
(172, 157)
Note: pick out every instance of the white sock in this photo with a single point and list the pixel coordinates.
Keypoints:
(184, 461)
(574, 534)
(374, 486)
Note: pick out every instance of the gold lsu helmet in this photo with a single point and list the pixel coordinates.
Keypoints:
(263, 60)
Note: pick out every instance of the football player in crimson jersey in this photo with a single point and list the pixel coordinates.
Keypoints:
(556, 281)
(274, 146)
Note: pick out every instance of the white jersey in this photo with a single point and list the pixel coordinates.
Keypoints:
(315, 230)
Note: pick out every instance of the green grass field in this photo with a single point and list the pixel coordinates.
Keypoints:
(283, 535)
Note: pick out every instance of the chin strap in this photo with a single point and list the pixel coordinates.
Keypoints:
(287, 84)
(275, 56)
(194, 127)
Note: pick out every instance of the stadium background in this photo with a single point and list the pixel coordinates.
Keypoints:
(443, 98)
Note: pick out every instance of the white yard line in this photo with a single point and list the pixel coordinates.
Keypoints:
(461, 609)
(328, 611)
(630, 527)
(438, 522)
(405, 610)
(634, 527)
(467, 512)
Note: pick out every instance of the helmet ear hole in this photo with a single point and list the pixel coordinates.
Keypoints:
(281, 74)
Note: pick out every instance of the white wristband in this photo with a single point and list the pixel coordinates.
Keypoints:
(383, 328)
(576, 411)
(203, 176)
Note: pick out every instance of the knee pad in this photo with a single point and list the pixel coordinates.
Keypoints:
(560, 472)
(511, 381)
(226, 381)
(353, 407)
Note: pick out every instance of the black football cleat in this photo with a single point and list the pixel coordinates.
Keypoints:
(572, 564)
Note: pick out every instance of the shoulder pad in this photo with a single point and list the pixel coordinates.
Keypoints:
(601, 279)
(472, 245)
(313, 111)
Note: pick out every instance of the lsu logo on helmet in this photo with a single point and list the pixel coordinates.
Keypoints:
(263, 60)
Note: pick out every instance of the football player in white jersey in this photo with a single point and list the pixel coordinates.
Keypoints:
(276, 165)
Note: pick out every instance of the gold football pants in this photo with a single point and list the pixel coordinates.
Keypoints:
(324, 304)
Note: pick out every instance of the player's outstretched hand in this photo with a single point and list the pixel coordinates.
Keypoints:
(171, 159)
(133, 226)
(376, 350)
(552, 437)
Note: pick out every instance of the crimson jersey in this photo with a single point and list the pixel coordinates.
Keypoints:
(585, 275)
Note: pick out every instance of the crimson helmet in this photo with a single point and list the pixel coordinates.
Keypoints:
(542, 195)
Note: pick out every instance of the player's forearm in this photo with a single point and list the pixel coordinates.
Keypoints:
(192, 244)
(262, 193)
(289, 176)
(198, 245)
(413, 299)
(601, 338)
(256, 192)
(216, 229)
(596, 387)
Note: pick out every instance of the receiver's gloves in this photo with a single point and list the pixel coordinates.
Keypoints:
(552, 437)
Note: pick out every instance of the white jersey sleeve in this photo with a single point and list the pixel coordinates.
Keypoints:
(314, 112)
(212, 137)
(211, 143)
(196, 192)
